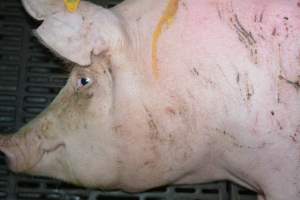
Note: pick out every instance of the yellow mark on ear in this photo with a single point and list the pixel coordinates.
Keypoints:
(72, 5)
(166, 19)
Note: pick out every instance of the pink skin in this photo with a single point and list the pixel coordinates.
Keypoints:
(225, 104)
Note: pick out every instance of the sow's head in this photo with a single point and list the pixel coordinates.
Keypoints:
(73, 138)
(101, 130)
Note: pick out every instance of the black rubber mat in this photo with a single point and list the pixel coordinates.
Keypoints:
(30, 77)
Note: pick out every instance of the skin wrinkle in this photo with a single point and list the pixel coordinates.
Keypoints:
(166, 19)
(38, 160)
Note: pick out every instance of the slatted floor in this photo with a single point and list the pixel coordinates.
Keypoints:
(30, 77)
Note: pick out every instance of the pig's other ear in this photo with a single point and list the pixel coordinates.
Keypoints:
(40, 9)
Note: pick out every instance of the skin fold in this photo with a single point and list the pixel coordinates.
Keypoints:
(170, 92)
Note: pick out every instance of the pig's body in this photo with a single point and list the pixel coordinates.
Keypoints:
(193, 91)
(228, 85)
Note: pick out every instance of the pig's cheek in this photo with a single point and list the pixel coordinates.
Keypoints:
(66, 114)
(83, 98)
(77, 110)
(74, 107)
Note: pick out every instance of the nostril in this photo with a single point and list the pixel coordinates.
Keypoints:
(8, 159)
(7, 149)
(3, 159)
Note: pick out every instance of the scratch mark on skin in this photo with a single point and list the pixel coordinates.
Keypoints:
(274, 31)
(184, 5)
(298, 129)
(246, 88)
(245, 36)
(243, 32)
(272, 113)
(293, 137)
(281, 71)
(219, 11)
(279, 125)
(250, 90)
(149, 163)
(152, 125)
(205, 79)
(117, 128)
(261, 36)
(278, 98)
(238, 78)
(166, 20)
(195, 72)
(235, 142)
(225, 77)
(170, 111)
(261, 17)
(296, 84)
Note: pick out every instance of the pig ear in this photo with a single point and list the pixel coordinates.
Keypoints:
(40, 9)
(77, 36)
(91, 30)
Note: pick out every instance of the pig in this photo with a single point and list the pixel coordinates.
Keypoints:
(169, 92)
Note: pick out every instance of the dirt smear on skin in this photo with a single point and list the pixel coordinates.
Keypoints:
(166, 20)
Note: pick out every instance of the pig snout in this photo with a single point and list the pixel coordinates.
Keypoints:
(7, 142)
(14, 149)
(25, 149)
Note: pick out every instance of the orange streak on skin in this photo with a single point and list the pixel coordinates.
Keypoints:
(166, 19)
(72, 5)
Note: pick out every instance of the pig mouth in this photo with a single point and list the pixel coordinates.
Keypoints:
(54, 148)
(20, 164)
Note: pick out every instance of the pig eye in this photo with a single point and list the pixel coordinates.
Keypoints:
(83, 82)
